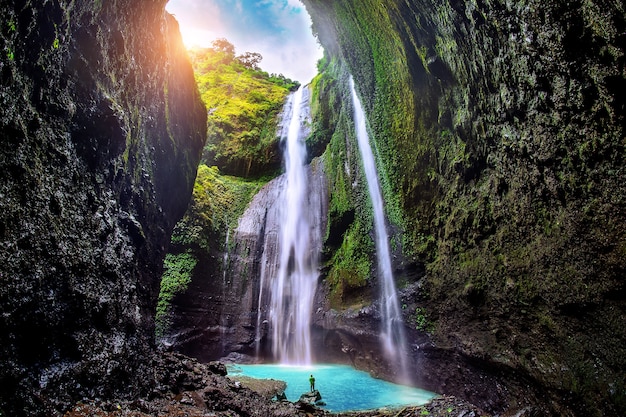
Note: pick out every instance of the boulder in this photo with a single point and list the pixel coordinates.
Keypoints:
(218, 368)
(311, 397)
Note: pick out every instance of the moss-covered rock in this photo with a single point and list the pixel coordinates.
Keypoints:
(500, 135)
(349, 247)
(202, 236)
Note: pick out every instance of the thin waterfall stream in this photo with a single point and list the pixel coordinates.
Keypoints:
(223, 317)
(392, 333)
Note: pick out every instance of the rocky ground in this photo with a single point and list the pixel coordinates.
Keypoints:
(186, 387)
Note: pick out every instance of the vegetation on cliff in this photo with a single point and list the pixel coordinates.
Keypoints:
(177, 270)
(243, 104)
(349, 247)
(500, 136)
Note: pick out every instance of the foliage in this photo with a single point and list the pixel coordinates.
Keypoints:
(243, 104)
(250, 60)
(351, 266)
(176, 278)
(348, 243)
(217, 202)
(325, 105)
(421, 321)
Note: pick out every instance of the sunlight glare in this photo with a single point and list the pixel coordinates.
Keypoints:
(197, 38)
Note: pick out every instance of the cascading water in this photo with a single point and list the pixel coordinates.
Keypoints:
(223, 317)
(293, 287)
(392, 333)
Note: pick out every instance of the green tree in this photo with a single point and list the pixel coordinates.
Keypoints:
(222, 45)
(250, 60)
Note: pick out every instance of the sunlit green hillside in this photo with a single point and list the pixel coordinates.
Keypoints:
(243, 103)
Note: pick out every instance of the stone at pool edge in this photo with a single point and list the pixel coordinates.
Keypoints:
(311, 397)
(218, 368)
(309, 400)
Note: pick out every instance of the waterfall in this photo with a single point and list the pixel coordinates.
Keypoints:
(392, 333)
(293, 286)
(223, 316)
(268, 269)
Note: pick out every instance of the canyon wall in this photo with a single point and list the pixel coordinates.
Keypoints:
(102, 129)
(499, 129)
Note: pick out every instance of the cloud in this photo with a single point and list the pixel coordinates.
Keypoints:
(280, 30)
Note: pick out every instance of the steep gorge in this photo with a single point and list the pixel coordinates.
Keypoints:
(499, 136)
(499, 133)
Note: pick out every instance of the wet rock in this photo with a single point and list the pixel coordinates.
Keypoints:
(207, 326)
(218, 396)
(311, 397)
(268, 388)
(218, 368)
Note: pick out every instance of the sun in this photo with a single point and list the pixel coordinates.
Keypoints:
(197, 38)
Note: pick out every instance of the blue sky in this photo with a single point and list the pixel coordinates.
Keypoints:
(280, 30)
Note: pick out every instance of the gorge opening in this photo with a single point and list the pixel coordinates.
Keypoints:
(265, 306)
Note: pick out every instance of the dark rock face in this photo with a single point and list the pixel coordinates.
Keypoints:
(185, 387)
(101, 129)
(501, 128)
(216, 314)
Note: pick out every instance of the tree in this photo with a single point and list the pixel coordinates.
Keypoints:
(250, 60)
(222, 45)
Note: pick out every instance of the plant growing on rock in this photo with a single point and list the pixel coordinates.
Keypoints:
(176, 277)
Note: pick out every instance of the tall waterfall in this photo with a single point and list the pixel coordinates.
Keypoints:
(392, 333)
(293, 287)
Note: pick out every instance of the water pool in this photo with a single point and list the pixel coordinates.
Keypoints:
(343, 388)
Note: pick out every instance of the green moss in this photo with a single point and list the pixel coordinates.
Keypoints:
(175, 280)
(217, 202)
(350, 253)
(421, 321)
(350, 266)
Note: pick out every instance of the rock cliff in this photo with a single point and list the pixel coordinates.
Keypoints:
(500, 131)
(102, 129)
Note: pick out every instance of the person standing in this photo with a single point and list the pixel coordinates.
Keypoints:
(312, 381)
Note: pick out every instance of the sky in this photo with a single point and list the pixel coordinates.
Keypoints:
(280, 30)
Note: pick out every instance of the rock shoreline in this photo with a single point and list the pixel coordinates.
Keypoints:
(185, 387)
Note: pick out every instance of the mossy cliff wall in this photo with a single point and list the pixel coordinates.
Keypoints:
(101, 130)
(500, 135)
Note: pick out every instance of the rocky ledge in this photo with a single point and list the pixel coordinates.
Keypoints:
(185, 387)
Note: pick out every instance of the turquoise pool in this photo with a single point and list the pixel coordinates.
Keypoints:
(343, 388)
